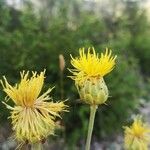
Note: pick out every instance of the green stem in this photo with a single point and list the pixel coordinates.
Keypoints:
(37, 146)
(93, 109)
(61, 85)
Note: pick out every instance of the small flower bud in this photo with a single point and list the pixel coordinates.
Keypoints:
(61, 62)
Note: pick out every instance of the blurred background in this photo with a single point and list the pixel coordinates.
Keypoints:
(33, 33)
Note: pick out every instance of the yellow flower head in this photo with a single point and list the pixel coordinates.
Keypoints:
(91, 65)
(88, 75)
(33, 116)
(137, 136)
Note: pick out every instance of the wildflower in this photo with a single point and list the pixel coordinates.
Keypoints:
(137, 136)
(33, 116)
(88, 74)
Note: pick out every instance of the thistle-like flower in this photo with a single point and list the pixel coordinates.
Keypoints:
(137, 136)
(33, 116)
(88, 74)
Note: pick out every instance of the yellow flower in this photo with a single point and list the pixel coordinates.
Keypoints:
(88, 74)
(91, 65)
(137, 136)
(33, 116)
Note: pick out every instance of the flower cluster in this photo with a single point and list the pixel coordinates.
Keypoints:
(34, 114)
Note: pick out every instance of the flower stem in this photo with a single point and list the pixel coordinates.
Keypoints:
(61, 85)
(37, 146)
(93, 109)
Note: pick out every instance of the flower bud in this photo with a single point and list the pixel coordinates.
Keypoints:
(94, 92)
(61, 62)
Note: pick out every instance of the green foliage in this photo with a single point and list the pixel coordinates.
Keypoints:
(30, 41)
